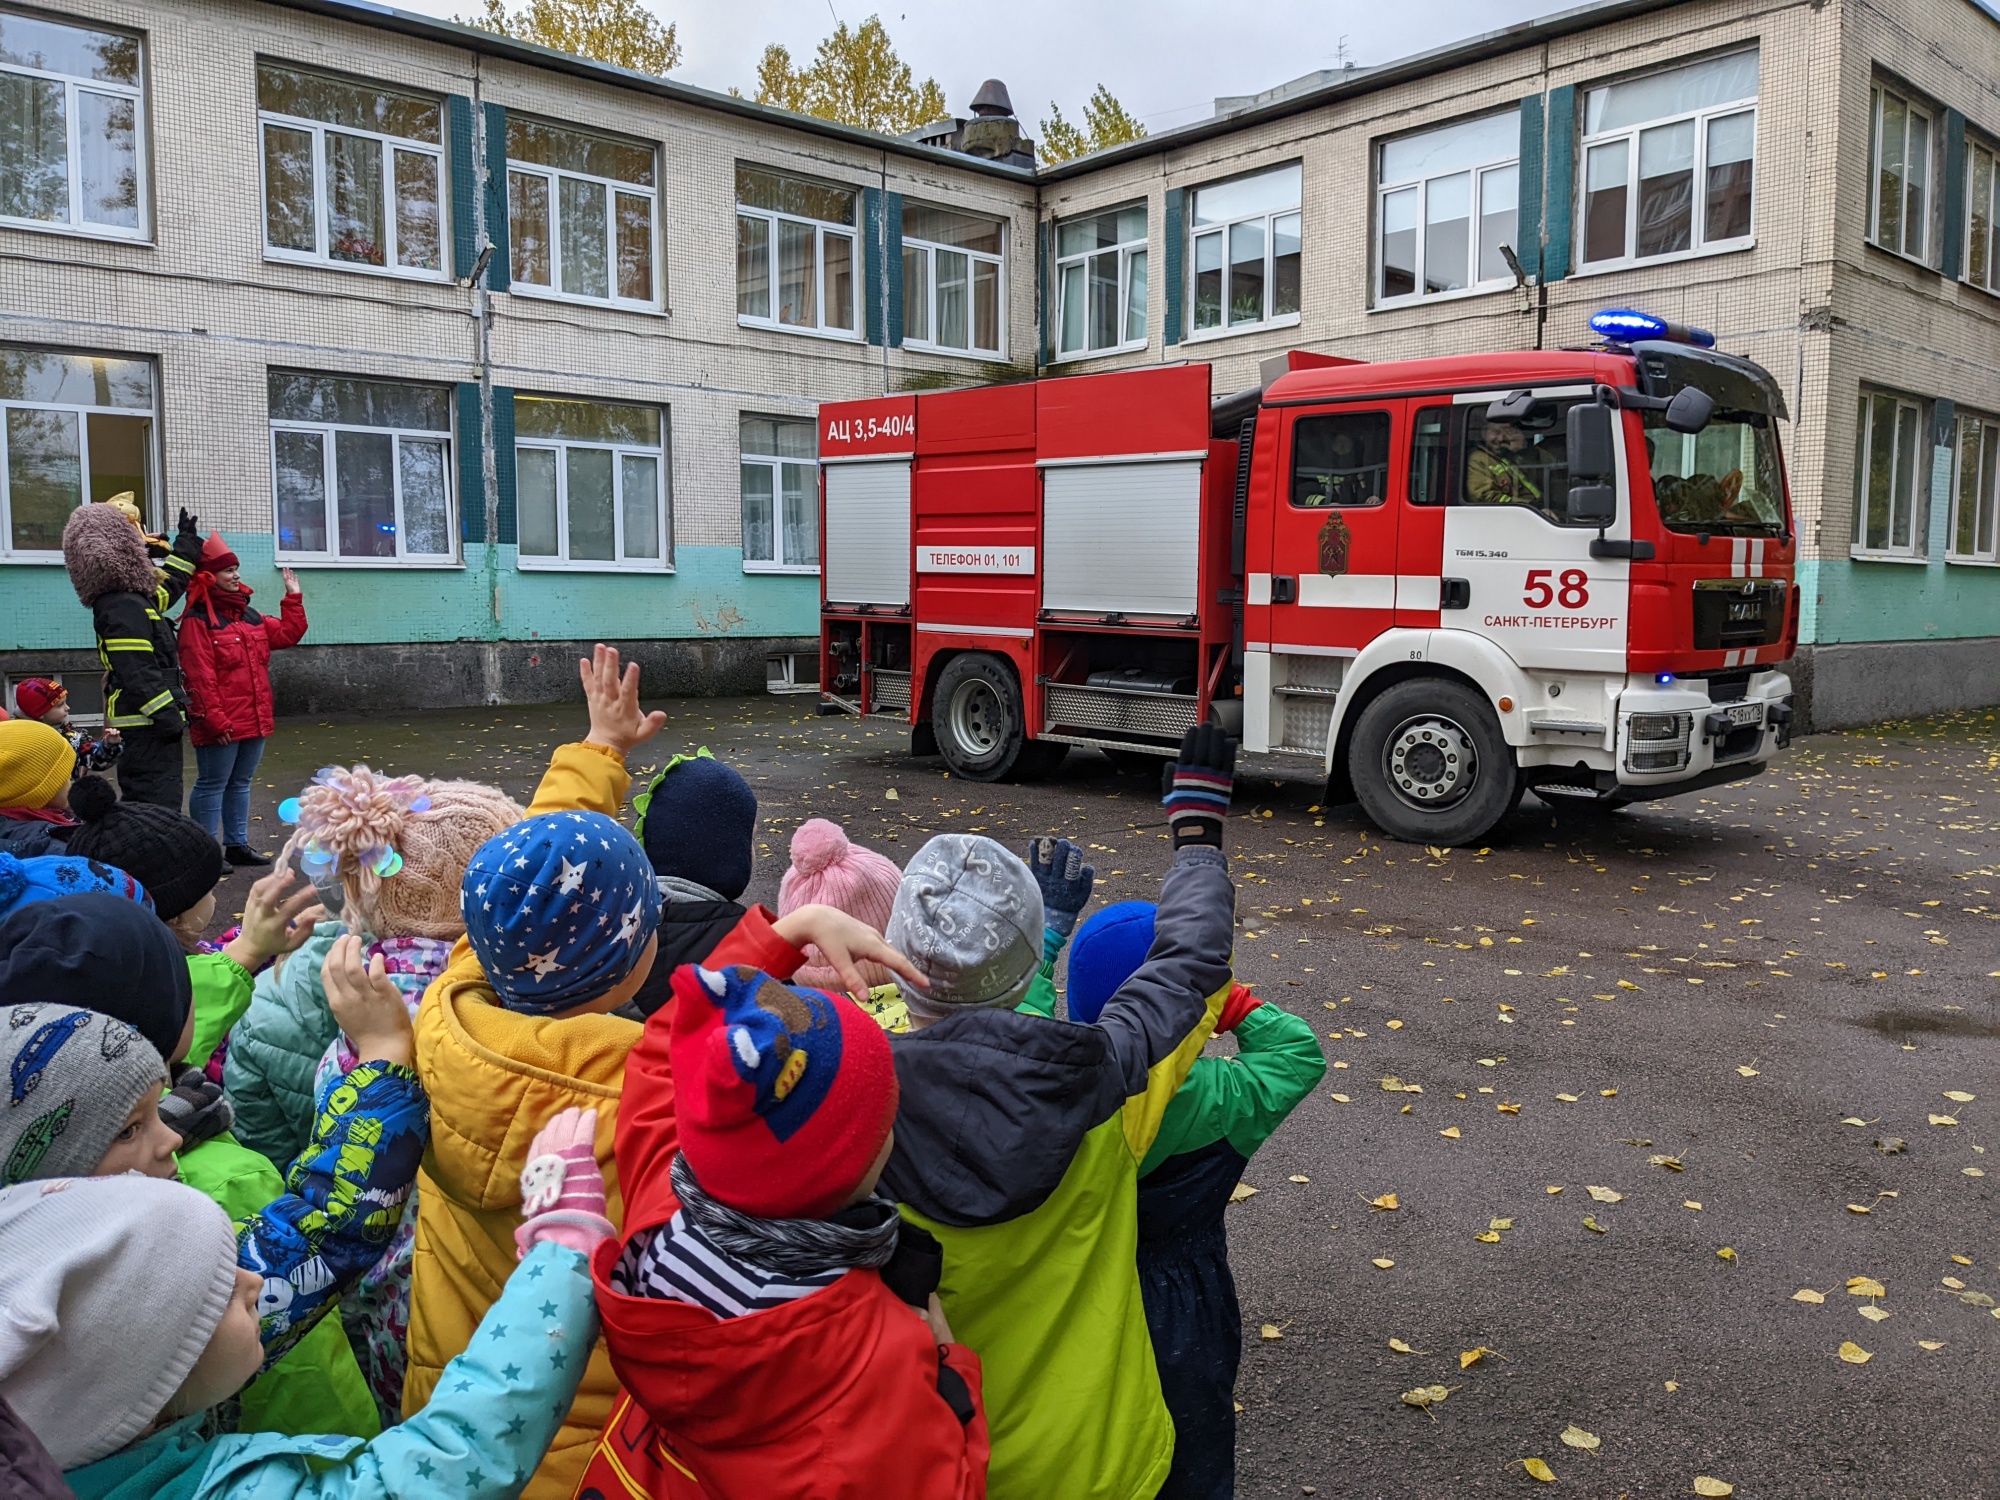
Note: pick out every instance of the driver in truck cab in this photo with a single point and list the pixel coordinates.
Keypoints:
(1499, 470)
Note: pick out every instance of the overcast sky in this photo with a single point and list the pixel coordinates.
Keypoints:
(1165, 59)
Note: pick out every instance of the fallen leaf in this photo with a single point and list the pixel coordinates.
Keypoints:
(1747, 1073)
(1402, 1348)
(1395, 1025)
(1340, 1099)
(1500, 1224)
(1690, 1203)
(1384, 1203)
(1592, 1225)
(1859, 1208)
(1507, 1109)
(1943, 1120)
(1973, 1171)
(1961, 1260)
(1241, 1191)
(1626, 984)
(1605, 1195)
(1489, 1062)
(1931, 1344)
(1672, 1386)
(1567, 1098)
(1959, 1096)
(1954, 1283)
(1854, 1120)
(1487, 1237)
(1873, 1312)
(1865, 1286)
(1671, 1163)
(1552, 1189)
(1607, 1093)
(1450, 1132)
(1539, 1470)
(1725, 1253)
(1424, 1397)
(1383, 1265)
(1271, 1332)
(1807, 1294)
(1716, 1489)
(891, 796)
(1977, 1299)
(1576, 1437)
(1296, 1177)
(1392, 1085)
(1854, 1354)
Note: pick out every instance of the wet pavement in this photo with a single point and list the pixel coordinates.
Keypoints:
(1705, 1057)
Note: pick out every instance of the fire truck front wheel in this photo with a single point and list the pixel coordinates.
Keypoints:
(976, 716)
(1430, 764)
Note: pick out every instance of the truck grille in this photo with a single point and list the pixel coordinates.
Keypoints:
(1117, 713)
(888, 690)
(1736, 613)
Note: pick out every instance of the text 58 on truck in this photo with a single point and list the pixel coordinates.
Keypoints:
(1445, 580)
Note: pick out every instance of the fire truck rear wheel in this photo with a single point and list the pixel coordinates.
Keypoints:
(976, 716)
(1430, 765)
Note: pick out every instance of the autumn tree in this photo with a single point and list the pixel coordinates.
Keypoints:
(1106, 122)
(855, 78)
(620, 32)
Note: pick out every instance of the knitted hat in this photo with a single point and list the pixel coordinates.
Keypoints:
(113, 1288)
(35, 696)
(1107, 951)
(105, 554)
(698, 821)
(352, 821)
(103, 953)
(72, 1077)
(216, 556)
(35, 763)
(969, 916)
(783, 1095)
(48, 876)
(559, 908)
(828, 870)
(174, 857)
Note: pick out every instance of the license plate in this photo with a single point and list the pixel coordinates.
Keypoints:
(1745, 713)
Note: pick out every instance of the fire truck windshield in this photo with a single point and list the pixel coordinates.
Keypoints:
(1723, 479)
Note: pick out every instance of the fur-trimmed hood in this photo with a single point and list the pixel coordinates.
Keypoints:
(106, 555)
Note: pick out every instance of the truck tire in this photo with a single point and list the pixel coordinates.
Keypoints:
(976, 716)
(1430, 765)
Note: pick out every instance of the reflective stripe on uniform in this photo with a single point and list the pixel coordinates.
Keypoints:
(124, 643)
(157, 702)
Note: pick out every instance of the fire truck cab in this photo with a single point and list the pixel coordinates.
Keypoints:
(1435, 583)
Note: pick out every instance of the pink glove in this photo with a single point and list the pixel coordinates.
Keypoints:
(562, 1191)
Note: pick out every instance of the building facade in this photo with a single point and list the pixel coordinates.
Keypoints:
(505, 351)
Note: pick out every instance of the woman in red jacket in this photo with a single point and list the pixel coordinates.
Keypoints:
(226, 651)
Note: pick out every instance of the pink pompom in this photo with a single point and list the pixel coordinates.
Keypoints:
(818, 844)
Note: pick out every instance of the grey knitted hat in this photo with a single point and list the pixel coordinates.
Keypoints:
(969, 916)
(68, 1080)
(110, 1288)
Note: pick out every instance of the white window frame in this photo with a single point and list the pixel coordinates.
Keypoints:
(1986, 500)
(321, 255)
(561, 562)
(930, 250)
(332, 557)
(1269, 219)
(1974, 149)
(8, 553)
(1124, 249)
(1878, 93)
(1473, 286)
(1698, 243)
(73, 164)
(821, 229)
(552, 176)
(777, 564)
(1913, 491)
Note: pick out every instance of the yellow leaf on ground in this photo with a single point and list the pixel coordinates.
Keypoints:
(1807, 1294)
(1567, 1098)
(1296, 1177)
(1450, 1132)
(1715, 1489)
(1489, 1062)
(1690, 1203)
(1384, 1203)
(1500, 1224)
(1340, 1099)
(1426, 1396)
(1672, 1386)
(1608, 1093)
(1854, 1120)
(1954, 1283)
(1671, 1163)
(1859, 1208)
(1626, 984)
(1487, 1237)
(1605, 1195)
(1944, 1120)
(1959, 1096)
(1592, 1225)
(1854, 1354)
(1383, 1265)
(1931, 1344)
(1552, 1189)
(1539, 1470)
(1725, 1253)
(1576, 1437)
(1507, 1109)
(1395, 1025)
(890, 795)
(1865, 1286)
(1873, 1312)
(1747, 1073)
(1402, 1348)
(1241, 1191)
(1961, 1260)
(1272, 1332)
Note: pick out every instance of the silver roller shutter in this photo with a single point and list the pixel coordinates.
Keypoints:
(1121, 538)
(867, 542)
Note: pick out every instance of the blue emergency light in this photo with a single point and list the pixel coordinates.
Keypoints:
(1621, 325)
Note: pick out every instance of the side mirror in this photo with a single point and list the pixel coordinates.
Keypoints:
(1689, 410)
(1593, 504)
(1593, 454)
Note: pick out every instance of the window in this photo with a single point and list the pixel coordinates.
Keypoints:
(1982, 199)
(1723, 479)
(780, 495)
(1667, 162)
(71, 144)
(580, 214)
(795, 254)
(360, 469)
(1899, 157)
(1101, 282)
(951, 280)
(1246, 251)
(591, 479)
(1447, 203)
(1524, 463)
(353, 173)
(1886, 466)
(73, 428)
(1974, 500)
(1340, 460)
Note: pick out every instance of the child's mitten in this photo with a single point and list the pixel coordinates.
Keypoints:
(562, 1191)
(1065, 879)
(196, 1109)
(1197, 786)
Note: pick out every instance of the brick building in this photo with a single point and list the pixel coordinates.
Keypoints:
(507, 351)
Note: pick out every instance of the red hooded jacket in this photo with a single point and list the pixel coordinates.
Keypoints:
(226, 651)
(831, 1397)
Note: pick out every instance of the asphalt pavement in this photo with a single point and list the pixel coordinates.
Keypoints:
(1682, 1109)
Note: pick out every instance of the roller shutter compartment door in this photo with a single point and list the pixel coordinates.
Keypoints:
(1121, 538)
(867, 542)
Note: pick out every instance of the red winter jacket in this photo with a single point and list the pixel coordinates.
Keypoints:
(832, 1397)
(226, 666)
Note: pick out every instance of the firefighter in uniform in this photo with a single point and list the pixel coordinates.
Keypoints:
(113, 574)
(1496, 472)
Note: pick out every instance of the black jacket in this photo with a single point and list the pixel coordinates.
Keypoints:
(137, 646)
(689, 932)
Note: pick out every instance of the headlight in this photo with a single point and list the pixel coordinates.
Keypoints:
(1659, 726)
(1657, 760)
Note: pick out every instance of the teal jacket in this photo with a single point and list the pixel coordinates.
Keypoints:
(275, 1048)
(496, 1408)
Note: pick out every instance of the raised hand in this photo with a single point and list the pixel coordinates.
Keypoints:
(1066, 881)
(1198, 784)
(616, 720)
(367, 1004)
(845, 943)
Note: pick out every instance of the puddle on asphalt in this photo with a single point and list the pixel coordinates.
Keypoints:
(1901, 1023)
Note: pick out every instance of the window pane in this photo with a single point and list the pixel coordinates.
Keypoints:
(780, 437)
(354, 230)
(1661, 96)
(1076, 308)
(107, 148)
(1519, 463)
(1916, 187)
(1965, 530)
(801, 516)
(34, 149)
(1499, 197)
(580, 222)
(839, 250)
(986, 305)
(1208, 280)
(1430, 453)
(1246, 272)
(1894, 123)
(1265, 193)
(1979, 213)
(31, 42)
(759, 188)
(1285, 265)
(1604, 201)
(573, 150)
(288, 189)
(757, 511)
(753, 267)
(798, 276)
(1100, 231)
(417, 210)
(1666, 189)
(75, 379)
(364, 465)
(1447, 232)
(341, 101)
(1135, 298)
(952, 297)
(592, 534)
(640, 477)
(1989, 501)
(121, 450)
(426, 505)
(1399, 242)
(535, 500)
(299, 467)
(1881, 472)
(1103, 297)
(1341, 460)
(528, 228)
(635, 247)
(1454, 148)
(44, 476)
(588, 421)
(359, 403)
(1732, 141)
(1906, 474)
(943, 227)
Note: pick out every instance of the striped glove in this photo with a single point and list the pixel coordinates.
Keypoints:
(562, 1190)
(1197, 786)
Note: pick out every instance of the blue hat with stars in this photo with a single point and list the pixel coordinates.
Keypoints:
(559, 908)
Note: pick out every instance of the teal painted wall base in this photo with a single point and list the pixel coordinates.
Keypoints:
(1845, 601)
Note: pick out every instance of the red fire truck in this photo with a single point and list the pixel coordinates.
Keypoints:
(1445, 581)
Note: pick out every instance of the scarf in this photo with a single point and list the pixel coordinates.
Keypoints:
(61, 817)
(863, 1234)
(221, 605)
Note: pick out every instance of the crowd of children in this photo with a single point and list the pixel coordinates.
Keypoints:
(506, 1151)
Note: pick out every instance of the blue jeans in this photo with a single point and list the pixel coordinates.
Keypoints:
(220, 801)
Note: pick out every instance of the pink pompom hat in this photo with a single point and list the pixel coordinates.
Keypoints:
(827, 870)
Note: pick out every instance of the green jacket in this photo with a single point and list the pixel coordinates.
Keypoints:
(275, 1050)
(221, 995)
(1242, 1099)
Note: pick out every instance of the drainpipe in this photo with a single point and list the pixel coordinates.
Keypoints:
(482, 302)
(882, 276)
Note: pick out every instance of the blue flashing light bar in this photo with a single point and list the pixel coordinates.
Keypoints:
(1664, 679)
(1621, 325)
